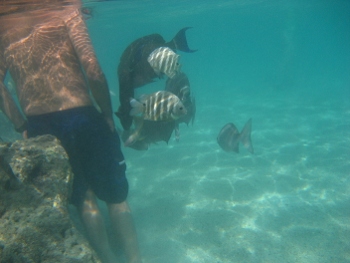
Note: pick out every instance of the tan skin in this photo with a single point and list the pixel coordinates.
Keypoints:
(49, 55)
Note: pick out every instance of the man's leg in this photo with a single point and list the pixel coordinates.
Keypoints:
(92, 219)
(124, 229)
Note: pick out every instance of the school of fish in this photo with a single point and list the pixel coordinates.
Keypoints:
(151, 118)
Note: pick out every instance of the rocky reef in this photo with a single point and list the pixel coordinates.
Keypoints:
(35, 183)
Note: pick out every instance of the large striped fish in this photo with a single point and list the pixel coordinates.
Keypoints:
(158, 106)
(164, 60)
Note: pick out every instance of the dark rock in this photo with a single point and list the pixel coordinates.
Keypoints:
(35, 184)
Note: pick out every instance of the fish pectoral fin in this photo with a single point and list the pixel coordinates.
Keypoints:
(246, 136)
(174, 116)
(137, 107)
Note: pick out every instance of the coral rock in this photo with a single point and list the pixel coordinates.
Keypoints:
(35, 184)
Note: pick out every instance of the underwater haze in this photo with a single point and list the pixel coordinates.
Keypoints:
(286, 65)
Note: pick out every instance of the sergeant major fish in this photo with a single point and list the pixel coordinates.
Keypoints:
(155, 131)
(158, 106)
(164, 60)
(229, 137)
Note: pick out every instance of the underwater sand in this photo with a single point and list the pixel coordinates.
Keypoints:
(289, 202)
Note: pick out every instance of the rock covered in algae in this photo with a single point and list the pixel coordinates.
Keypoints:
(35, 183)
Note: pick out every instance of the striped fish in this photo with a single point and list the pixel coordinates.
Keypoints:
(159, 106)
(164, 60)
(229, 137)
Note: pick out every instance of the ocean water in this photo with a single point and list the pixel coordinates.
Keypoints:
(286, 65)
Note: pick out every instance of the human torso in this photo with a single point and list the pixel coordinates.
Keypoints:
(43, 64)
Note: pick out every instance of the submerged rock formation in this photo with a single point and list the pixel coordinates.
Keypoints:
(35, 183)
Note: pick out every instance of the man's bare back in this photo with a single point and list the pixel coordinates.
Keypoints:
(45, 51)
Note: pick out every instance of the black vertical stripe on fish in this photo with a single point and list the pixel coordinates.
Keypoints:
(166, 64)
(170, 62)
(164, 61)
(229, 137)
(164, 107)
(152, 111)
(158, 106)
(174, 64)
(170, 107)
(160, 59)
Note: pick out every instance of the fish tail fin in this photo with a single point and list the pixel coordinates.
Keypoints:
(179, 42)
(137, 107)
(245, 136)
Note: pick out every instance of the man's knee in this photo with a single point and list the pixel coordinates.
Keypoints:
(122, 207)
(89, 206)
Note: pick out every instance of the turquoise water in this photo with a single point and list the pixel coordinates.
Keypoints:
(286, 65)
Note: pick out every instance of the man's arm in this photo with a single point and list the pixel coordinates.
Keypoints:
(7, 104)
(97, 81)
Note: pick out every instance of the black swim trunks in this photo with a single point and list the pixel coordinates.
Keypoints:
(94, 151)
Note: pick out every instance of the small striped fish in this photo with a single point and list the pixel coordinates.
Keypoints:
(159, 106)
(164, 60)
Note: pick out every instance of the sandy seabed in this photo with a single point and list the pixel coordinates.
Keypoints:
(289, 202)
